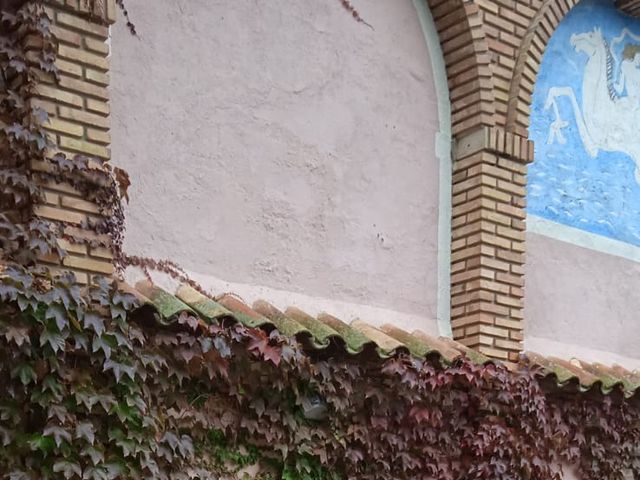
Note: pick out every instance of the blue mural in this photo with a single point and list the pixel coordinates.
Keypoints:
(585, 122)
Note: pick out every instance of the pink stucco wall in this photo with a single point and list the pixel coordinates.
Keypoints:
(283, 146)
(581, 303)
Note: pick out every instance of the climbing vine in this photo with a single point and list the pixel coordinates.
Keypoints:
(97, 386)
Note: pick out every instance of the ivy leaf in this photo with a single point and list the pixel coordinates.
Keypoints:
(25, 372)
(87, 431)
(53, 339)
(18, 335)
(68, 469)
(119, 369)
(6, 436)
(59, 434)
(101, 343)
(222, 347)
(94, 454)
(42, 443)
(59, 314)
(94, 321)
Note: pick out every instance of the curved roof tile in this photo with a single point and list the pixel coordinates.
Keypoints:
(320, 332)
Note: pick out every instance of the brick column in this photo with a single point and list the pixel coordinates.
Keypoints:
(78, 107)
(488, 234)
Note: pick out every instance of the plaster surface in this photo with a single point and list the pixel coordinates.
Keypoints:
(583, 302)
(281, 144)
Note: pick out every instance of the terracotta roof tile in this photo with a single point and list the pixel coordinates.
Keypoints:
(324, 332)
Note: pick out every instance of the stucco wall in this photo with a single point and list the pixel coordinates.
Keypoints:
(281, 144)
(581, 303)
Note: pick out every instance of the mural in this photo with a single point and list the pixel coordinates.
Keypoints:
(585, 122)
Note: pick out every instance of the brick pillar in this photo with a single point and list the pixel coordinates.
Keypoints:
(78, 107)
(488, 235)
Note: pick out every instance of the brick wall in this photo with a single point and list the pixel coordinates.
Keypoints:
(78, 106)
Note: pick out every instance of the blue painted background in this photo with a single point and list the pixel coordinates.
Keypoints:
(599, 195)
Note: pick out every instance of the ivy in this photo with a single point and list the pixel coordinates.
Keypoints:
(94, 387)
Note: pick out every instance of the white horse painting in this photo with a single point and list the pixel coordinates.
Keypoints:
(608, 115)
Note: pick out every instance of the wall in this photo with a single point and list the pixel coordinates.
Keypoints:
(584, 190)
(283, 145)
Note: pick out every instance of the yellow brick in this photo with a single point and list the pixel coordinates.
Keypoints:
(49, 258)
(77, 23)
(61, 126)
(97, 106)
(493, 352)
(52, 198)
(88, 235)
(84, 147)
(83, 86)
(111, 11)
(82, 278)
(80, 248)
(513, 302)
(61, 187)
(96, 77)
(99, 136)
(513, 324)
(75, 54)
(102, 252)
(496, 332)
(59, 214)
(83, 117)
(69, 67)
(79, 204)
(59, 95)
(508, 344)
(45, 105)
(66, 36)
(90, 264)
(96, 46)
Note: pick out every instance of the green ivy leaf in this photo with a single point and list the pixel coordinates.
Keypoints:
(59, 434)
(94, 321)
(58, 313)
(68, 469)
(25, 372)
(101, 344)
(94, 454)
(55, 340)
(42, 443)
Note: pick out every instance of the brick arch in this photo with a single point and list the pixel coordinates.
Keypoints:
(528, 61)
(467, 62)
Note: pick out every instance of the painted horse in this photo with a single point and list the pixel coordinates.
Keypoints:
(606, 121)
